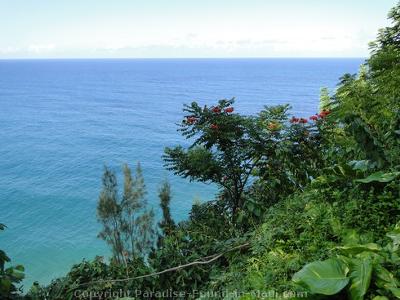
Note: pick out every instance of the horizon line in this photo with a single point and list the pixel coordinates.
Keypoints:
(182, 58)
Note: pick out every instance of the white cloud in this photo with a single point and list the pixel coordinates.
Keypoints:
(41, 48)
(9, 50)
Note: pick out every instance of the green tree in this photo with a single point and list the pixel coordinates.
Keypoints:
(109, 214)
(223, 150)
(128, 225)
(325, 99)
(367, 104)
(233, 151)
(138, 221)
(145, 238)
(167, 224)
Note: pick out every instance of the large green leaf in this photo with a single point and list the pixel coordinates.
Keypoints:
(350, 237)
(343, 170)
(360, 275)
(395, 292)
(361, 165)
(323, 277)
(379, 177)
(356, 249)
(395, 236)
(386, 280)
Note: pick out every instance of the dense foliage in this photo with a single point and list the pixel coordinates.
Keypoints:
(307, 207)
(10, 277)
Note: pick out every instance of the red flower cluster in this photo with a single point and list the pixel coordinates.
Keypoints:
(298, 120)
(216, 109)
(191, 120)
(229, 109)
(315, 117)
(324, 113)
(214, 126)
(303, 121)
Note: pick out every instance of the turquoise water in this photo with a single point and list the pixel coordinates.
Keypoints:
(63, 120)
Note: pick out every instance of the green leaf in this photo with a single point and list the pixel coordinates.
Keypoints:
(351, 237)
(20, 268)
(323, 277)
(356, 249)
(360, 275)
(380, 298)
(386, 280)
(379, 177)
(344, 170)
(18, 275)
(395, 292)
(384, 277)
(325, 179)
(361, 165)
(395, 236)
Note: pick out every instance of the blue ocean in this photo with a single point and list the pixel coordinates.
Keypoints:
(62, 121)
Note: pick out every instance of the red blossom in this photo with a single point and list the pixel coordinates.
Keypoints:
(314, 118)
(229, 109)
(191, 120)
(303, 121)
(214, 126)
(216, 109)
(294, 120)
(324, 113)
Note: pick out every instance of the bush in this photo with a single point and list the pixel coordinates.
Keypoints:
(10, 277)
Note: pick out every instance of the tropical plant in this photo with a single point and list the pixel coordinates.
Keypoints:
(10, 277)
(361, 269)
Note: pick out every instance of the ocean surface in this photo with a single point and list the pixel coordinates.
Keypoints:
(62, 121)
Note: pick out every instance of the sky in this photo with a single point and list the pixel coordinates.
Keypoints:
(189, 28)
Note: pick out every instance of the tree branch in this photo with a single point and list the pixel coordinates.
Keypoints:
(201, 261)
